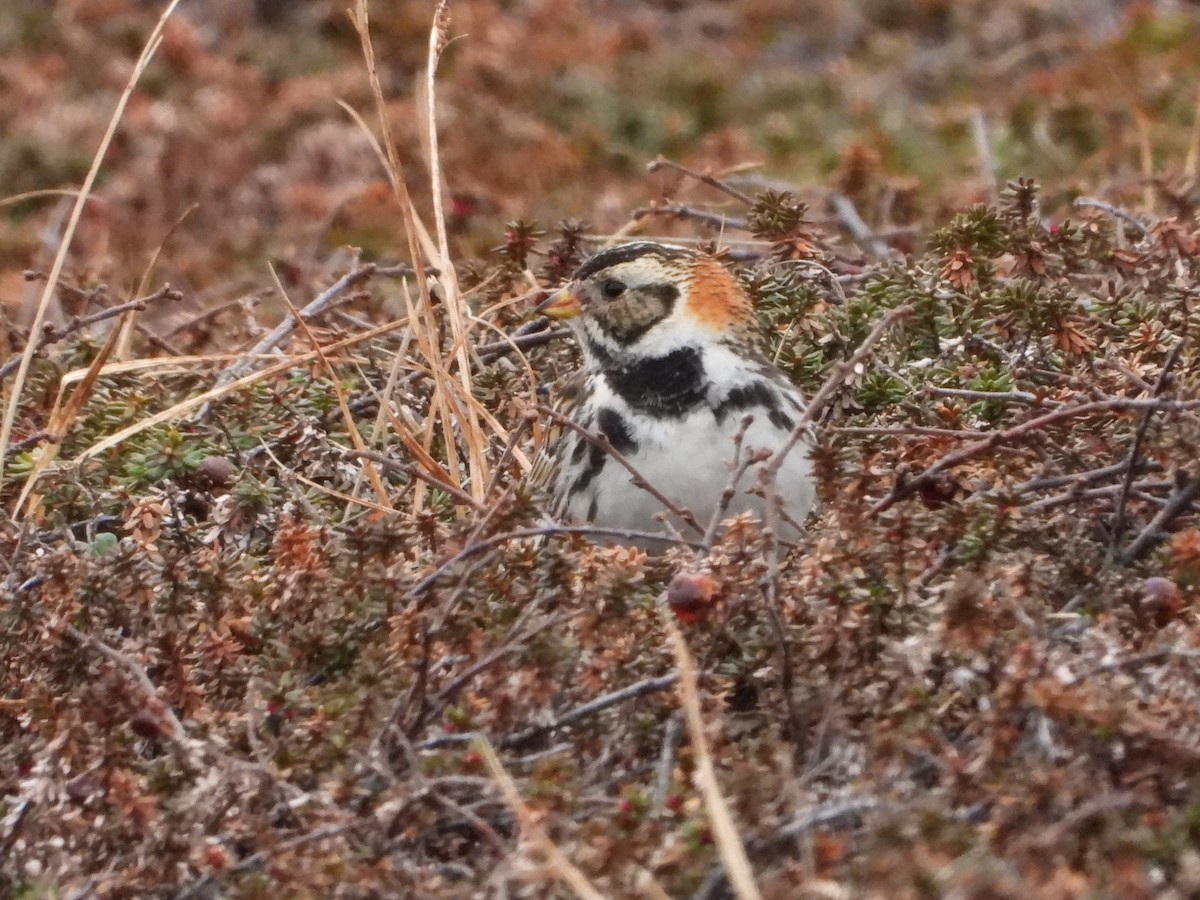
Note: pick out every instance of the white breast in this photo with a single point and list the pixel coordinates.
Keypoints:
(688, 459)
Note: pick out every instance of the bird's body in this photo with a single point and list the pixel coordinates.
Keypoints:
(669, 375)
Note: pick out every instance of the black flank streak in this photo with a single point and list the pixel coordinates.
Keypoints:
(593, 509)
(617, 430)
(780, 420)
(670, 385)
(748, 396)
(595, 463)
(577, 451)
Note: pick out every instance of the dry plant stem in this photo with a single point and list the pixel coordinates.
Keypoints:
(347, 418)
(729, 843)
(489, 353)
(846, 813)
(908, 431)
(1190, 654)
(831, 386)
(567, 719)
(25, 443)
(54, 335)
(983, 152)
(473, 433)
(213, 312)
(1131, 463)
(1012, 396)
(124, 342)
(1049, 482)
(862, 234)
(533, 832)
(215, 393)
(1090, 809)
(176, 734)
(387, 463)
(515, 640)
(486, 544)
(1114, 211)
(834, 382)
(64, 246)
(737, 471)
(255, 861)
(591, 708)
(683, 211)
(901, 491)
(423, 312)
(704, 177)
(672, 737)
(515, 437)
(1185, 492)
(834, 281)
(639, 480)
(1139, 490)
(280, 332)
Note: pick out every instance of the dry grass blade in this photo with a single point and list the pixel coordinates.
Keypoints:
(36, 195)
(60, 420)
(563, 867)
(473, 435)
(729, 842)
(128, 326)
(348, 418)
(148, 50)
(453, 406)
(215, 393)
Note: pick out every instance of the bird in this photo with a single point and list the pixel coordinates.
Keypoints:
(670, 372)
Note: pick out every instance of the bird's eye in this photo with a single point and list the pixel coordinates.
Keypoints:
(612, 288)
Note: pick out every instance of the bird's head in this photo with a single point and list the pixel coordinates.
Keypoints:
(645, 299)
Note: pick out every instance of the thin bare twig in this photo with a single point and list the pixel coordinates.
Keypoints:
(1138, 489)
(1139, 436)
(704, 177)
(638, 479)
(847, 215)
(491, 352)
(737, 471)
(64, 246)
(276, 335)
(672, 737)
(1185, 492)
(770, 470)
(571, 717)
(1114, 211)
(53, 335)
(254, 861)
(482, 546)
(833, 383)
(729, 844)
(683, 211)
(1010, 396)
(591, 708)
(394, 465)
(1137, 661)
(160, 711)
(907, 431)
(903, 490)
(983, 152)
(25, 443)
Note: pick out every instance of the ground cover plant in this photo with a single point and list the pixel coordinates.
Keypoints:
(280, 615)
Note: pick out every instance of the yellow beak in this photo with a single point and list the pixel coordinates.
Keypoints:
(562, 304)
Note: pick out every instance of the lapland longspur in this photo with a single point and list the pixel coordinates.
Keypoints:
(670, 372)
